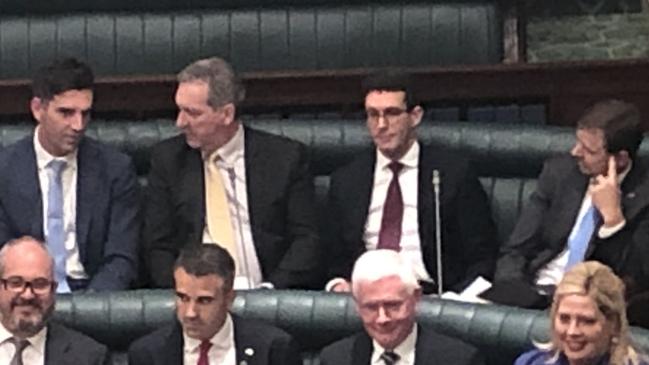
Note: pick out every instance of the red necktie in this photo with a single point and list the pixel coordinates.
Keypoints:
(390, 233)
(204, 348)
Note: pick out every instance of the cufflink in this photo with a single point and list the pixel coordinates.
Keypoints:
(630, 195)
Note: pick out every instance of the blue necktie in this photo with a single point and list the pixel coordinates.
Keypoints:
(579, 243)
(55, 231)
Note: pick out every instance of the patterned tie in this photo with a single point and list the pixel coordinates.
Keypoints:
(55, 231)
(390, 233)
(219, 223)
(578, 244)
(389, 357)
(204, 349)
(20, 345)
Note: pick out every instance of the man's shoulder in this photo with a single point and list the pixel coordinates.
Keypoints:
(343, 348)
(109, 155)
(451, 348)
(156, 340)
(15, 153)
(363, 160)
(59, 332)
(270, 140)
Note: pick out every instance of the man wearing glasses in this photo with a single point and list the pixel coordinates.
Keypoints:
(386, 293)
(27, 295)
(384, 198)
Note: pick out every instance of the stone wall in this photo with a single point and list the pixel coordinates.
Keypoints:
(588, 37)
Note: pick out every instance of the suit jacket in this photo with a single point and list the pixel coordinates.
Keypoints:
(64, 346)
(107, 221)
(469, 244)
(269, 345)
(542, 230)
(280, 204)
(430, 348)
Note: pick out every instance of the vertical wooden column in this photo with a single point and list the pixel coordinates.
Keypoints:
(514, 37)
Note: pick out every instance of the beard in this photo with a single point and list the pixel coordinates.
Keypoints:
(30, 325)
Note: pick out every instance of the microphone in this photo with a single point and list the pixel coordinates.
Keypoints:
(438, 233)
(242, 244)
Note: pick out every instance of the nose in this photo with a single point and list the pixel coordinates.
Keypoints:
(382, 316)
(190, 310)
(78, 122)
(382, 121)
(27, 293)
(573, 329)
(576, 150)
(180, 120)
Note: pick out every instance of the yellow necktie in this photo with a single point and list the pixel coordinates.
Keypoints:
(219, 224)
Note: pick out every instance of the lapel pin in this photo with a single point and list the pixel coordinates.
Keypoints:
(631, 195)
(249, 351)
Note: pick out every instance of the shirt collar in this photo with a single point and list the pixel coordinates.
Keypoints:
(223, 339)
(232, 149)
(405, 350)
(409, 159)
(37, 341)
(43, 158)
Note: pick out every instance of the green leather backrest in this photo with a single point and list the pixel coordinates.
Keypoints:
(313, 318)
(278, 36)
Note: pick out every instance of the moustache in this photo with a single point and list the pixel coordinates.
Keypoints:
(34, 302)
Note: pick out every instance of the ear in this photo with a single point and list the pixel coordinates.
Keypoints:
(416, 114)
(229, 111)
(229, 297)
(622, 160)
(37, 107)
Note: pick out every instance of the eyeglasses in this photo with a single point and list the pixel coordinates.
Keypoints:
(16, 284)
(389, 114)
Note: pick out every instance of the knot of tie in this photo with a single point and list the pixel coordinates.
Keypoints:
(395, 167)
(390, 357)
(20, 347)
(57, 166)
(204, 348)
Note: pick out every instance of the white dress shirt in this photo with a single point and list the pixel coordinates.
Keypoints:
(73, 266)
(222, 351)
(552, 272)
(232, 167)
(409, 183)
(33, 354)
(405, 350)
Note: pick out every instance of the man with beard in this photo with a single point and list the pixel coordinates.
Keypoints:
(73, 192)
(27, 294)
(386, 293)
(206, 333)
(592, 205)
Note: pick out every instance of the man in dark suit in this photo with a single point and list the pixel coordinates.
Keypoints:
(386, 293)
(591, 206)
(78, 194)
(221, 182)
(27, 296)
(373, 206)
(205, 332)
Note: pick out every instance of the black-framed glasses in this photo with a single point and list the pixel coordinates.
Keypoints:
(17, 284)
(389, 114)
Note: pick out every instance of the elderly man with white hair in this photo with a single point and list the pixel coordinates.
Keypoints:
(386, 293)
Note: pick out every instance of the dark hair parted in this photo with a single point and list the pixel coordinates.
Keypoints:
(391, 80)
(60, 76)
(207, 259)
(620, 122)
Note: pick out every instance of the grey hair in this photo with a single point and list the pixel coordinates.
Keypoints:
(374, 265)
(223, 83)
(22, 240)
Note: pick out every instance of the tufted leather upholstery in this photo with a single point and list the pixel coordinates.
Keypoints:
(277, 36)
(313, 318)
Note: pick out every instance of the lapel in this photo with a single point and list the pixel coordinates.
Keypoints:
(245, 341)
(573, 190)
(362, 349)
(173, 354)
(425, 201)
(57, 346)
(192, 190)
(28, 185)
(88, 176)
(424, 353)
(362, 179)
(635, 191)
(256, 177)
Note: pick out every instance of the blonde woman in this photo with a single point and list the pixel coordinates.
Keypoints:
(588, 322)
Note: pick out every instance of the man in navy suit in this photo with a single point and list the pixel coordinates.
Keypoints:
(206, 333)
(75, 193)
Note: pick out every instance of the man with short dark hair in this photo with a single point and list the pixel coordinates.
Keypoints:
(386, 293)
(76, 193)
(206, 333)
(593, 205)
(385, 198)
(27, 296)
(220, 182)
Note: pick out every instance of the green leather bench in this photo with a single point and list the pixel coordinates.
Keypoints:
(313, 318)
(160, 37)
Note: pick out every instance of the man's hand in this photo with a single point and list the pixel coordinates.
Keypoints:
(605, 194)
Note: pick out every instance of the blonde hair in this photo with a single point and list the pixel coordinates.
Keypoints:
(599, 283)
